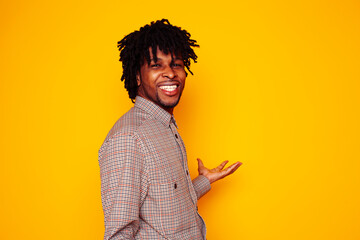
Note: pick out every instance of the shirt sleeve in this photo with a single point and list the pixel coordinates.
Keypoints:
(123, 185)
(201, 185)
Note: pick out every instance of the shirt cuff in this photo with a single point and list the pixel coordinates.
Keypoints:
(201, 185)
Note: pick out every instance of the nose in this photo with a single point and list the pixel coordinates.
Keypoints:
(169, 72)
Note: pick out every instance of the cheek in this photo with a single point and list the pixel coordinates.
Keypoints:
(150, 83)
(181, 74)
(183, 77)
(152, 78)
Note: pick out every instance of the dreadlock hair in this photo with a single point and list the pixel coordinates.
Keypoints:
(134, 49)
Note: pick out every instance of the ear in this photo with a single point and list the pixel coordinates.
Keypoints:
(138, 80)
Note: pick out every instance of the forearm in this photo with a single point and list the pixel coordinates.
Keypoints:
(201, 185)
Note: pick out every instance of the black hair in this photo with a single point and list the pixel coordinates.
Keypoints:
(134, 49)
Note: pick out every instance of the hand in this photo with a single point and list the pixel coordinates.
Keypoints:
(218, 172)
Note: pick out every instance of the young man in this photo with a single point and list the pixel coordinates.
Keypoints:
(146, 189)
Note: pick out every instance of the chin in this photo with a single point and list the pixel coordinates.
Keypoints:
(169, 104)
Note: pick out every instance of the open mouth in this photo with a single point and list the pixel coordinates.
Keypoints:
(169, 88)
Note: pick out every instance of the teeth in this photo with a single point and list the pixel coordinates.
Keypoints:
(169, 88)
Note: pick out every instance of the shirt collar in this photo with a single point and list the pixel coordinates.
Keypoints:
(154, 110)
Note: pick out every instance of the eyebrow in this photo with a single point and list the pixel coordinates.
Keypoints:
(174, 59)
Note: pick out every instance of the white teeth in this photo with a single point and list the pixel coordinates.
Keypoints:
(169, 88)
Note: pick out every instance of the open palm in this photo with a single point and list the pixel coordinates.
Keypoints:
(218, 172)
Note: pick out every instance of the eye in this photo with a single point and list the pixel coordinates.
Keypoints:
(155, 65)
(178, 65)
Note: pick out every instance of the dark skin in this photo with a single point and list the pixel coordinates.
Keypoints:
(162, 82)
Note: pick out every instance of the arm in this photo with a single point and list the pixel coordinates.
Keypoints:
(201, 185)
(123, 185)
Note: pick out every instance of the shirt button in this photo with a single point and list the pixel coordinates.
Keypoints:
(187, 173)
(175, 185)
(176, 135)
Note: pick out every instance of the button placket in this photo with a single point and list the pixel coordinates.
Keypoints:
(184, 163)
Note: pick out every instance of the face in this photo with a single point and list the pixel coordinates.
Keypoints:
(162, 82)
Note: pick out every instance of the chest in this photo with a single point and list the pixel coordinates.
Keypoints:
(166, 156)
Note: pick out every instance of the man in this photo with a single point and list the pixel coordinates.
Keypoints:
(146, 189)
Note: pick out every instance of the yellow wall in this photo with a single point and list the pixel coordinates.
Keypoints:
(276, 87)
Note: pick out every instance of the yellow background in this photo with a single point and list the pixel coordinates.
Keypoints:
(276, 87)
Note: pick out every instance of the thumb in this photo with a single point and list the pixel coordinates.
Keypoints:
(200, 163)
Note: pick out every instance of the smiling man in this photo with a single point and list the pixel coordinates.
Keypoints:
(146, 189)
(163, 80)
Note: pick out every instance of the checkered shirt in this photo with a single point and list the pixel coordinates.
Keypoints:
(146, 189)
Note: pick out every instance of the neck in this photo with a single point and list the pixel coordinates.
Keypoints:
(169, 110)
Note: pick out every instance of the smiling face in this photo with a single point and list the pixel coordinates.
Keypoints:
(162, 82)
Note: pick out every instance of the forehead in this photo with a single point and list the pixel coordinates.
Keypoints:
(176, 55)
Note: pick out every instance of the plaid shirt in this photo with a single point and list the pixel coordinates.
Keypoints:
(146, 189)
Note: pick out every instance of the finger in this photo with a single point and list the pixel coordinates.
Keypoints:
(234, 167)
(200, 163)
(222, 165)
(231, 169)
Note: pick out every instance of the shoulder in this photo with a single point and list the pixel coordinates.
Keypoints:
(127, 128)
(129, 123)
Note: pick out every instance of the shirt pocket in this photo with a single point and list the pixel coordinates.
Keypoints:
(174, 208)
